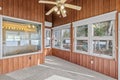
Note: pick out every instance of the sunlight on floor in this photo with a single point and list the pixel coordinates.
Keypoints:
(69, 71)
(56, 77)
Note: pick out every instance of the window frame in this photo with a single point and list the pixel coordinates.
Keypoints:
(64, 39)
(101, 18)
(60, 28)
(54, 40)
(47, 29)
(111, 38)
(18, 20)
(80, 38)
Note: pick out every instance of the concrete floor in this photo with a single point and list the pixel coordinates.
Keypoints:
(55, 69)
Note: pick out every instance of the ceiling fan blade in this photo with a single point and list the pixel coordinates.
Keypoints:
(50, 11)
(47, 2)
(73, 6)
(63, 14)
(63, 1)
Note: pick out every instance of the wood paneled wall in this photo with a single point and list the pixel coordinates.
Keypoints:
(118, 5)
(28, 10)
(102, 65)
(48, 51)
(12, 64)
(24, 9)
(61, 54)
(48, 18)
(90, 8)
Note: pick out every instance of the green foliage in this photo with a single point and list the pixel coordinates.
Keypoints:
(100, 29)
(66, 34)
(82, 31)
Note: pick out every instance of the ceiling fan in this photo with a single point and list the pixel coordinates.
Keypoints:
(59, 7)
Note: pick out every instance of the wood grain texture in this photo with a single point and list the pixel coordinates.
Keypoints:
(28, 10)
(48, 51)
(104, 66)
(59, 53)
(25, 9)
(16, 63)
(118, 5)
(90, 8)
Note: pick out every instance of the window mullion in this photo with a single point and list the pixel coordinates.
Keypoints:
(113, 39)
(75, 40)
(90, 39)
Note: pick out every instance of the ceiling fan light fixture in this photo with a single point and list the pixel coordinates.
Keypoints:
(56, 9)
(58, 12)
(62, 7)
(64, 11)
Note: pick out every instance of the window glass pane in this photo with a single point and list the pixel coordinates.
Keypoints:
(34, 36)
(82, 45)
(57, 39)
(82, 31)
(47, 42)
(66, 43)
(20, 38)
(35, 42)
(24, 42)
(47, 37)
(48, 33)
(65, 33)
(13, 43)
(103, 28)
(103, 47)
(66, 38)
(24, 35)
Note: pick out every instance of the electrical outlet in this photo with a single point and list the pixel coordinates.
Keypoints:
(0, 8)
(92, 62)
(29, 57)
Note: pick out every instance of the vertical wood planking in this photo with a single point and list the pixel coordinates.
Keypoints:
(20, 8)
(24, 9)
(11, 65)
(90, 8)
(21, 62)
(1, 67)
(5, 66)
(112, 5)
(16, 8)
(16, 63)
(5, 7)
(1, 5)
(112, 69)
(106, 5)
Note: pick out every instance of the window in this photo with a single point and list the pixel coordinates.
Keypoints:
(66, 38)
(81, 38)
(95, 39)
(57, 39)
(20, 37)
(61, 37)
(103, 38)
(47, 38)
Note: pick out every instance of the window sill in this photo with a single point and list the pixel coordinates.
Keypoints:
(95, 55)
(19, 55)
(62, 49)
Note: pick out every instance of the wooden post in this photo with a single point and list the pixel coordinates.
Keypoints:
(72, 40)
